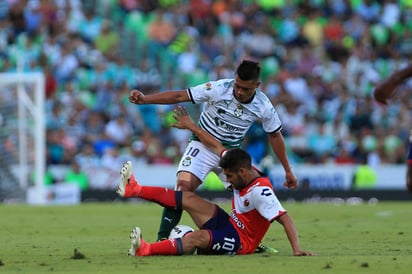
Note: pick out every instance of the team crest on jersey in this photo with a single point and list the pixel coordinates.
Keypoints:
(208, 86)
(239, 111)
(246, 203)
(187, 161)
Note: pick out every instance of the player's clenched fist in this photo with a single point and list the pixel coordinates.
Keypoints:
(291, 180)
(136, 97)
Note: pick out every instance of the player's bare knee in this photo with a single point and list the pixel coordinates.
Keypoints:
(187, 184)
(183, 185)
(186, 181)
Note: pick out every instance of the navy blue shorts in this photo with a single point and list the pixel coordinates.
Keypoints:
(224, 239)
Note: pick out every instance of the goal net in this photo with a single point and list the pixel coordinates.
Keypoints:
(22, 134)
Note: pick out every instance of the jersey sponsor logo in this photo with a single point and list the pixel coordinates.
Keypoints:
(221, 123)
(266, 192)
(187, 161)
(239, 223)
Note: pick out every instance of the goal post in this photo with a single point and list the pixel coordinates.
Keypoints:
(22, 110)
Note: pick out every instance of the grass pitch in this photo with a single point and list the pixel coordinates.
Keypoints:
(94, 238)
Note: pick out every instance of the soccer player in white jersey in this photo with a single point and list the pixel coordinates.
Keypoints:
(230, 108)
(254, 207)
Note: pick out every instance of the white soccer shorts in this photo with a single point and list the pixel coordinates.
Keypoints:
(200, 161)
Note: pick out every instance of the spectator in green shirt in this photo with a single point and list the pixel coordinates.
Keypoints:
(76, 176)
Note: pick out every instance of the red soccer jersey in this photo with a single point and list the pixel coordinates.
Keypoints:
(253, 210)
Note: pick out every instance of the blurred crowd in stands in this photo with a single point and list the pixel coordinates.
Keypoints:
(320, 60)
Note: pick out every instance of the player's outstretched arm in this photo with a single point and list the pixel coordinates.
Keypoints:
(292, 235)
(385, 90)
(279, 147)
(184, 121)
(163, 98)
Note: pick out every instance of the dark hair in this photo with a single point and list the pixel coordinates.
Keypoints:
(235, 159)
(248, 70)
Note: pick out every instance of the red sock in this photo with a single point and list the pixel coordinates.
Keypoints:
(161, 195)
(165, 247)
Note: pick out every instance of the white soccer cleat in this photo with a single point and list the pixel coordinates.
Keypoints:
(125, 174)
(136, 241)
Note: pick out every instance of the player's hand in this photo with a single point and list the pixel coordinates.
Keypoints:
(303, 253)
(291, 180)
(384, 92)
(136, 97)
(182, 117)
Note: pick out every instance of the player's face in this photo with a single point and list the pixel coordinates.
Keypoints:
(235, 178)
(244, 90)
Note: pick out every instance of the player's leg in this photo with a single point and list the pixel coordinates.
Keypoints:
(171, 217)
(224, 239)
(129, 187)
(199, 209)
(196, 162)
(186, 245)
(216, 236)
(139, 247)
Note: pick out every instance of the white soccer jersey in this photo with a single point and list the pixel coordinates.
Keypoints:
(226, 118)
(253, 210)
